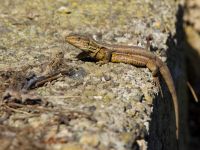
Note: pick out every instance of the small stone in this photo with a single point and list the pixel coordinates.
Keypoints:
(142, 144)
(106, 78)
(77, 73)
(98, 97)
(64, 10)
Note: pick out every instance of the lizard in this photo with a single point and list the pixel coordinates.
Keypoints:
(134, 55)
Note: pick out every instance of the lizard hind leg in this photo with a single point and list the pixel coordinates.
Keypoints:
(151, 64)
(157, 83)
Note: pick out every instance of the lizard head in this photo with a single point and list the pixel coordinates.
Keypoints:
(79, 41)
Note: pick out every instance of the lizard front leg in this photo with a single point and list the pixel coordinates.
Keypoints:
(104, 56)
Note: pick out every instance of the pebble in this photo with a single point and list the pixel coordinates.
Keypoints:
(64, 10)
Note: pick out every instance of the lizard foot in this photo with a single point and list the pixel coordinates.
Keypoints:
(157, 83)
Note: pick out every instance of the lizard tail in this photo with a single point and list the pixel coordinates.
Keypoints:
(164, 70)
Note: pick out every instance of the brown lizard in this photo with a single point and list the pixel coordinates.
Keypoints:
(134, 55)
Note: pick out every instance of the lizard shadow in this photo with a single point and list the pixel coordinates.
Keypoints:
(162, 130)
(85, 57)
(183, 62)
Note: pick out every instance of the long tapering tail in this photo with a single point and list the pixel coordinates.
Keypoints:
(164, 70)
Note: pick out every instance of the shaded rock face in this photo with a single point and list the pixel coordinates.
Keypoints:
(91, 106)
(192, 48)
(192, 37)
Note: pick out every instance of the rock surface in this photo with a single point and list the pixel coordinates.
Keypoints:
(110, 106)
